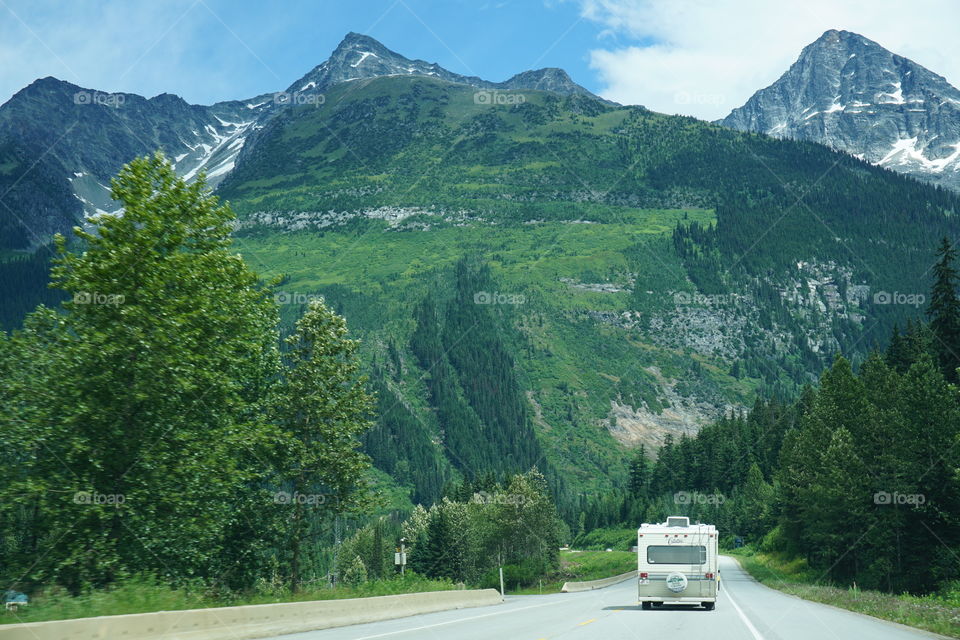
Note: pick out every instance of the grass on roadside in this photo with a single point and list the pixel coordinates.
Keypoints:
(143, 594)
(581, 566)
(939, 613)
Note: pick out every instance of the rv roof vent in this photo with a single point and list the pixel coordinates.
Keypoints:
(677, 521)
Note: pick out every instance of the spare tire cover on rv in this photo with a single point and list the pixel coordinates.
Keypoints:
(676, 582)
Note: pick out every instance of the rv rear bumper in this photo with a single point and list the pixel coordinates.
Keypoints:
(677, 600)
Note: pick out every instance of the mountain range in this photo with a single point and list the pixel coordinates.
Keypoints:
(538, 276)
(78, 138)
(850, 93)
(844, 91)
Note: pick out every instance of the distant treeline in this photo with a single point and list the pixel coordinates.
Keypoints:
(465, 537)
(24, 281)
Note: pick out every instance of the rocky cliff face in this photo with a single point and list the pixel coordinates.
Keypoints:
(850, 93)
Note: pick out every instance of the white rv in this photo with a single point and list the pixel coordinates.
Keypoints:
(677, 563)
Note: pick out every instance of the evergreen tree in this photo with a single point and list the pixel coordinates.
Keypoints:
(639, 472)
(756, 505)
(436, 559)
(944, 310)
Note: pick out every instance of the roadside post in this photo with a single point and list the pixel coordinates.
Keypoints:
(400, 557)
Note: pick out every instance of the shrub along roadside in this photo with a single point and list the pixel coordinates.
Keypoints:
(939, 613)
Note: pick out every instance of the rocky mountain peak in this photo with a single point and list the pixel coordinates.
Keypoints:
(360, 56)
(852, 94)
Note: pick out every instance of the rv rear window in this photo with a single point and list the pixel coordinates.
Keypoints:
(674, 554)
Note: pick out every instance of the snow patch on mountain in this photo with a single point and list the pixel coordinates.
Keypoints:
(363, 56)
(217, 153)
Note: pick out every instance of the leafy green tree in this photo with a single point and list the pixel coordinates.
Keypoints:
(152, 381)
(515, 525)
(527, 521)
(355, 573)
(373, 544)
(32, 492)
(322, 409)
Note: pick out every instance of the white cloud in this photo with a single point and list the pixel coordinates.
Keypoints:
(706, 57)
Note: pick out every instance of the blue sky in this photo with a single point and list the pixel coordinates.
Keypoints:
(697, 57)
(213, 50)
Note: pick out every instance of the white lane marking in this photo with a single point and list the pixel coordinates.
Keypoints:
(746, 621)
(486, 615)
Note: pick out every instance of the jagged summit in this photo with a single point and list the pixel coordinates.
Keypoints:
(360, 56)
(852, 94)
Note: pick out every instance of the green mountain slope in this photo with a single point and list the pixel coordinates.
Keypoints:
(642, 272)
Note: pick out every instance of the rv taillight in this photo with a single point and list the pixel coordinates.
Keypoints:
(644, 575)
(708, 576)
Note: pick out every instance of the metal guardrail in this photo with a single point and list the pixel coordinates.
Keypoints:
(573, 587)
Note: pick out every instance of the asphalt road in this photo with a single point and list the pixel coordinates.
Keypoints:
(746, 610)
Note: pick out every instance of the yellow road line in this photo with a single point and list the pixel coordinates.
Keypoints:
(587, 622)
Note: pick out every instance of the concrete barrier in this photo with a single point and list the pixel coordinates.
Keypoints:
(573, 587)
(251, 621)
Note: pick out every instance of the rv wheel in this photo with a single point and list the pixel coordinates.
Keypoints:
(709, 605)
(645, 606)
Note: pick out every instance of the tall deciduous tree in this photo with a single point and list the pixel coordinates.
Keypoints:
(323, 408)
(150, 389)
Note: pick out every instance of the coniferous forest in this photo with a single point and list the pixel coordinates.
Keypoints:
(858, 475)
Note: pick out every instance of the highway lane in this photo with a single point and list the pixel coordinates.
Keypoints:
(746, 611)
